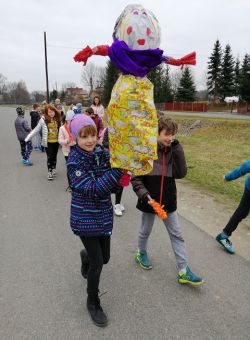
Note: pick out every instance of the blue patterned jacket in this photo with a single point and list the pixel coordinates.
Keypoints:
(92, 181)
(243, 169)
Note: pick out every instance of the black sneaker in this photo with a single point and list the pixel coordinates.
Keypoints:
(97, 314)
(85, 263)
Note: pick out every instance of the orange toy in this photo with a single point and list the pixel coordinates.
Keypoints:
(158, 209)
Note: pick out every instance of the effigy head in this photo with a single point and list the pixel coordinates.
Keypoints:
(138, 28)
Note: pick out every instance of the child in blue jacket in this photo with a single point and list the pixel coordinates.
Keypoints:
(243, 209)
(91, 218)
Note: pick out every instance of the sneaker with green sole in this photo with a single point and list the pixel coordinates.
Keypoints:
(226, 244)
(143, 260)
(189, 277)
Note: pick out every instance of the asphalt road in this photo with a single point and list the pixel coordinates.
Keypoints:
(42, 293)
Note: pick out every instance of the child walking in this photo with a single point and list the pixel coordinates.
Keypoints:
(91, 218)
(242, 210)
(160, 185)
(49, 125)
(35, 117)
(22, 130)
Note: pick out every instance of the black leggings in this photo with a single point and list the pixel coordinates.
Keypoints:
(118, 195)
(240, 213)
(98, 250)
(51, 152)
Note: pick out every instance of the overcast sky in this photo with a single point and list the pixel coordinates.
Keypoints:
(186, 26)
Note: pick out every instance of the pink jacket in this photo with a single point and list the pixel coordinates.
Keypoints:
(63, 140)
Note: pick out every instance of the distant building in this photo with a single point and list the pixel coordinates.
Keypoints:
(76, 95)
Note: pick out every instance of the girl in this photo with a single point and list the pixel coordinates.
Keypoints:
(97, 107)
(92, 181)
(49, 125)
(65, 138)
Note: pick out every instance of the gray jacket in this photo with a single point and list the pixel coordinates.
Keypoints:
(22, 128)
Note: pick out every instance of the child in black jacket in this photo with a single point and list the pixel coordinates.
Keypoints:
(160, 186)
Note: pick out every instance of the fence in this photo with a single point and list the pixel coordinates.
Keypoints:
(186, 106)
(243, 108)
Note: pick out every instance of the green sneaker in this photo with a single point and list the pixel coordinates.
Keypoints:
(143, 260)
(189, 277)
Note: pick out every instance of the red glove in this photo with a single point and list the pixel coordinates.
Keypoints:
(124, 180)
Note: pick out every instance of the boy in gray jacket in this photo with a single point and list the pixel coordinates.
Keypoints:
(22, 130)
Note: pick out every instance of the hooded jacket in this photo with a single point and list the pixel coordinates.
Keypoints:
(160, 182)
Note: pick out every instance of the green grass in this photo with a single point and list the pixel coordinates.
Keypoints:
(213, 150)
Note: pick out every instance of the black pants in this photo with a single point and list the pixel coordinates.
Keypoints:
(118, 195)
(98, 250)
(240, 213)
(26, 148)
(51, 152)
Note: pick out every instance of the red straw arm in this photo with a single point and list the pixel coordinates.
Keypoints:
(189, 59)
(87, 52)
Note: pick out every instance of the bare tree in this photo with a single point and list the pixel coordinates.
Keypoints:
(3, 84)
(175, 78)
(93, 76)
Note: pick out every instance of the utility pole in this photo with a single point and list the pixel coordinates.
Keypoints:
(46, 68)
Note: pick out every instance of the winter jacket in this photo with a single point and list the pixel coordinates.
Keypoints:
(92, 181)
(35, 117)
(22, 128)
(99, 110)
(170, 165)
(41, 126)
(63, 140)
(243, 169)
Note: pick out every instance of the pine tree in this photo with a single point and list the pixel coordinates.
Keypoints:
(237, 77)
(109, 81)
(159, 76)
(214, 71)
(245, 79)
(186, 89)
(227, 73)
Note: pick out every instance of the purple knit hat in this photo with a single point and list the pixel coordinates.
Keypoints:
(79, 121)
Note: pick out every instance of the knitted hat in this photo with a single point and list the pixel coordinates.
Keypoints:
(78, 122)
(20, 111)
(69, 115)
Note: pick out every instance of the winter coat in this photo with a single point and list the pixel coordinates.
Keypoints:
(35, 117)
(41, 126)
(243, 169)
(99, 110)
(63, 138)
(22, 128)
(92, 181)
(170, 165)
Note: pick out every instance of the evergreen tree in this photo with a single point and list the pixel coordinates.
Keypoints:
(53, 95)
(111, 76)
(159, 76)
(227, 73)
(245, 79)
(186, 89)
(237, 77)
(214, 71)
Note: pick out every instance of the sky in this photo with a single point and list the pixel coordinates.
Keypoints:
(70, 25)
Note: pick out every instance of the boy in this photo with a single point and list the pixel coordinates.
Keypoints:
(35, 117)
(160, 185)
(243, 209)
(22, 131)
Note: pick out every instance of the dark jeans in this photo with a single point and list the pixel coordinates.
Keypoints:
(51, 152)
(240, 213)
(26, 148)
(98, 250)
(118, 195)
(66, 158)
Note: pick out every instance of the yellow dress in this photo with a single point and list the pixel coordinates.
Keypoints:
(132, 125)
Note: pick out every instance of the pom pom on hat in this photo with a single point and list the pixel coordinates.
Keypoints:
(78, 122)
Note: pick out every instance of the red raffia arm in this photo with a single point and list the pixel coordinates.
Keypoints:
(87, 52)
(158, 209)
(189, 59)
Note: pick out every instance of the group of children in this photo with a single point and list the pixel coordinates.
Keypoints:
(92, 181)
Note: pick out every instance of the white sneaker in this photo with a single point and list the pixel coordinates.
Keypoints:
(118, 210)
(122, 207)
(53, 172)
(50, 176)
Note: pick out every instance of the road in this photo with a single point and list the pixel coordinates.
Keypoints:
(43, 295)
(223, 115)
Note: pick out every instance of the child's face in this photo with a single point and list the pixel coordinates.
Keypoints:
(51, 113)
(87, 143)
(165, 138)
